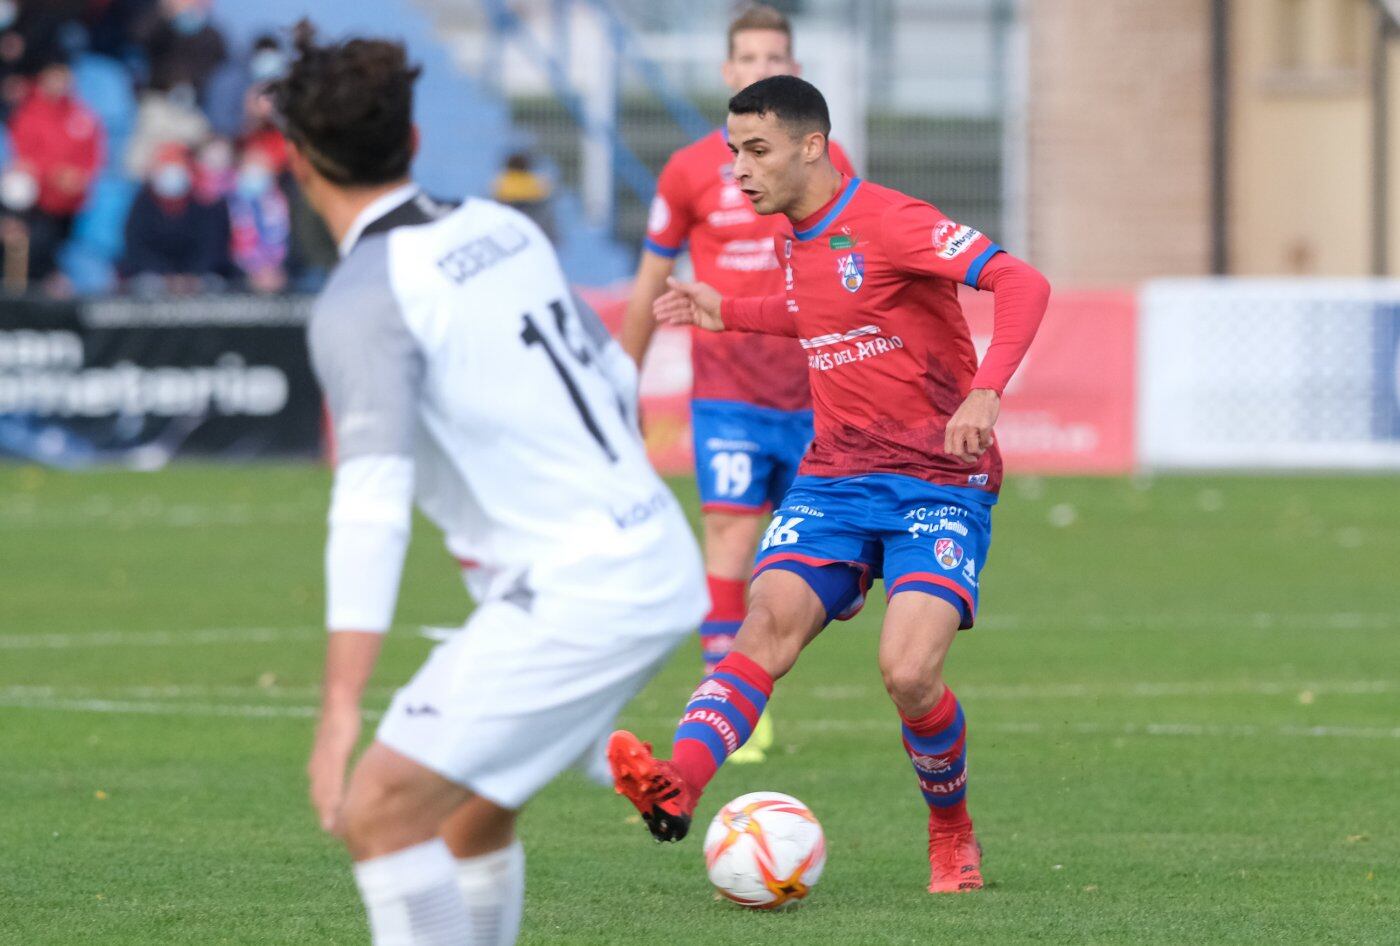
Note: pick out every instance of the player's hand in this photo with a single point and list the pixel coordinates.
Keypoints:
(969, 433)
(689, 303)
(336, 736)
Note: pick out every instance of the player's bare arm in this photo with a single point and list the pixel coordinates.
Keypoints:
(350, 659)
(638, 325)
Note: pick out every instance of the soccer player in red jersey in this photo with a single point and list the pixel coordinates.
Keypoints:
(900, 479)
(751, 406)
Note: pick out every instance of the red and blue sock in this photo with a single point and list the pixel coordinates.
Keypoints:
(937, 745)
(719, 718)
(727, 608)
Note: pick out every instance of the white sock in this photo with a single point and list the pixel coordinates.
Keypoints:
(413, 899)
(494, 888)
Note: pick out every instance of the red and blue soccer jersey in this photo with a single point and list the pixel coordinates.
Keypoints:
(731, 246)
(870, 289)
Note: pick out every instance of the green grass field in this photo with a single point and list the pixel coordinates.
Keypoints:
(1183, 700)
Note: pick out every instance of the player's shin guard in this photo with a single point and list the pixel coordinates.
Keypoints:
(719, 718)
(412, 897)
(937, 745)
(722, 623)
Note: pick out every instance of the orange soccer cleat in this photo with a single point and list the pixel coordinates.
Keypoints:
(664, 799)
(954, 859)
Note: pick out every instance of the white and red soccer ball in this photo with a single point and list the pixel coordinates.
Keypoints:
(764, 850)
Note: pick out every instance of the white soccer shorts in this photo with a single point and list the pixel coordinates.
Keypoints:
(506, 704)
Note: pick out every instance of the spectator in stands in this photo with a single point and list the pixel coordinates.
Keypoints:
(59, 141)
(113, 26)
(182, 45)
(163, 118)
(520, 186)
(261, 224)
(260, 132)
(174, 243)
(214, 173)
(226, 95)
(19, 191)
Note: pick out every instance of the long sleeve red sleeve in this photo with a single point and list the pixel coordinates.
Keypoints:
(1022, 294)
(767, 315)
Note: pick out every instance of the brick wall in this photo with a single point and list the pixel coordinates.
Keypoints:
(1118, 139)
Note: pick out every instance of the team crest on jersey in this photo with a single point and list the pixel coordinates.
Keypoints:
(851, 269)
(948, 553)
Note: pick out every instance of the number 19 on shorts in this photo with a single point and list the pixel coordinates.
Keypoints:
(733, 473)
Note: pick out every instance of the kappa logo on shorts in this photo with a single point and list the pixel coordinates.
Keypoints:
(948, 553)
(970, 571)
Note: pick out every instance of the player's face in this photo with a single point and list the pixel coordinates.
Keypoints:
(758, 54)
(769, 161)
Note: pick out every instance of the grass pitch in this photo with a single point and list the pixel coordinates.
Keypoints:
(1183, 700)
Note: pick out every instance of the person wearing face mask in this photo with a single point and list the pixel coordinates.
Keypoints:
(174, 242)
(182, 44)
(214, 173)
(260, 222)
(226, 94)
(60, 141)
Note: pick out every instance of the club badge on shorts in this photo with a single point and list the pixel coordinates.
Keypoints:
(851, 269)
(948, 553)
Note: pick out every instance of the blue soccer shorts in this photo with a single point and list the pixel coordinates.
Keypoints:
(746, 456)
(841, 533)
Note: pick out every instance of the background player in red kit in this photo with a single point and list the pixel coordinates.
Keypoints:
(751, 407)
(900, 478)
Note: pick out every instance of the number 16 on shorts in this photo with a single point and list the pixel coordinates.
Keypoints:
(781, 531)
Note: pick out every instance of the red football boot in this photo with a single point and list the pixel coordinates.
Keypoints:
(954, 859)
(665, 801)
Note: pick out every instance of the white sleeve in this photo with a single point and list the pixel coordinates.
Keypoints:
(370, 520)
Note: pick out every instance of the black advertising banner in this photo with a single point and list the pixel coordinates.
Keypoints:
(138, 381)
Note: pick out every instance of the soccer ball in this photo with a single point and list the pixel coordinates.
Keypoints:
(764, 850)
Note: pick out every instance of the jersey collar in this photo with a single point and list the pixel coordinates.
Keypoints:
(377, 208)
(816, 230)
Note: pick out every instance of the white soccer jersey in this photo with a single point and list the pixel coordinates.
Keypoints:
(454, 356)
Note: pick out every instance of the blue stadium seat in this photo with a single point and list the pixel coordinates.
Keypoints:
(105, 85)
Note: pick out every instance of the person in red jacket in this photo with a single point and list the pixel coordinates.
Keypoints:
(60, 142)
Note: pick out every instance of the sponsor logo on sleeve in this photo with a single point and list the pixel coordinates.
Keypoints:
(659, 218)
(951, 240)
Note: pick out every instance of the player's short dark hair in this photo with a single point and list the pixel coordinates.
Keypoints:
(795, 102)
(760, 16)
(348, 106)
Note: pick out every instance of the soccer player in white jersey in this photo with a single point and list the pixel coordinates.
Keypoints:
(461, 374)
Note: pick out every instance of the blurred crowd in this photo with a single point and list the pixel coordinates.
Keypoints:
(140, 155)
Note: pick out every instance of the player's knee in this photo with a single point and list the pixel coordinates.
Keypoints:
(377, 818)
(913, 688)
(769, 640)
